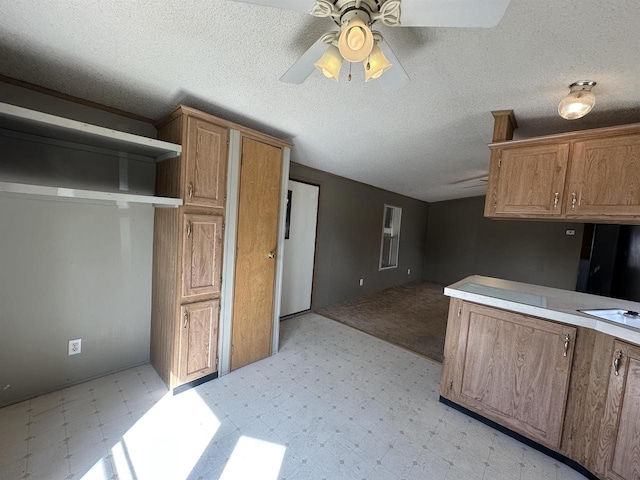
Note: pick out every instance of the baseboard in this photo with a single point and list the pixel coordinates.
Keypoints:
(194, 383)
(521, 438)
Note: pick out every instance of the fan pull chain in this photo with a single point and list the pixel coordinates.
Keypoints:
(368, 63)
(349, 77)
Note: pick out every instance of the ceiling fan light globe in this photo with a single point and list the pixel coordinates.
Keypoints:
(330, 63)
(378, 64)
(356, 41)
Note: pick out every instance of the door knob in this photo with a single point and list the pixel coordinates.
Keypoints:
(271, 255)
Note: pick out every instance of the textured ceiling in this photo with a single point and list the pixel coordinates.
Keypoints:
(226, 57)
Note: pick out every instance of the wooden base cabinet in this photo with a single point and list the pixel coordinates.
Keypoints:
(619, 447)
(514, 369)
(571, 389)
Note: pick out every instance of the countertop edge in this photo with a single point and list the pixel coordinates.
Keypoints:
(563, 316)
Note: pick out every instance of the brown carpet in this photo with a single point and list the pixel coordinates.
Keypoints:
(413, 316)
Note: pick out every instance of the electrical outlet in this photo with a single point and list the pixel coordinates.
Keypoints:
(408, 271)
(361, 281)
(75, 346)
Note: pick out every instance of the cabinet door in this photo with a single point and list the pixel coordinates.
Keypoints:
(515, 370)
(530, 180)
(604, 178)
(619, 446)
(205, 154)
(201, 255)
(258, 214)
(198, 340)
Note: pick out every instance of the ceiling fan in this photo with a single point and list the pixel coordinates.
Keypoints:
(357, 43)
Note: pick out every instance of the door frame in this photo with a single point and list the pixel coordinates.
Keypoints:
(230, 244)
(315, 183)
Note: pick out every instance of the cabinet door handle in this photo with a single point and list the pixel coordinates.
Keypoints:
(190, 191)
(616, 363)
(555, 199)
(567, 339)
(271, 255)
(188, 229)
(185, 322)
(573, 200)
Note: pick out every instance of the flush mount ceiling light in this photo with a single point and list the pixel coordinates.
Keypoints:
(356, 42)
(578, 102)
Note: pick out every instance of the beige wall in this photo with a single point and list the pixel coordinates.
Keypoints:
(349, 237)
(461, 242)
(71, 270)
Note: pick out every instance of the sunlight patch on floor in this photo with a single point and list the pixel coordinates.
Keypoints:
(167, 441)
(255, 459)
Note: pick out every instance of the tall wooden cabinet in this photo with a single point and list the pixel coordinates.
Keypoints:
(188, 243)
(189, 338)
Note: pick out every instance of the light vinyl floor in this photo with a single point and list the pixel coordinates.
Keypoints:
(334, 403)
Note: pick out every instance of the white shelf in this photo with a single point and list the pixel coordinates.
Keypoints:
(37, 123)
(85, 196)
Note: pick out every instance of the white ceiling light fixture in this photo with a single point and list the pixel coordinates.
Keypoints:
(578, 102)
(357, 43)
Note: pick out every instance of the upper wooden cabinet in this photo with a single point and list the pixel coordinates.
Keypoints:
(205, 154)
(605, 177)
(199, 175)
(589, 176)
(531, 180)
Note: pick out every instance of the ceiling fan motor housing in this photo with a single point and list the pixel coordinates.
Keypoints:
(350, 9)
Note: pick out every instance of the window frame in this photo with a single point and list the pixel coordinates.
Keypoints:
(396, 222)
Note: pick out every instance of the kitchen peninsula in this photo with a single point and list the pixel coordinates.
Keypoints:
(526, 358)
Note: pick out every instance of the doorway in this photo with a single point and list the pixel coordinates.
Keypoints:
(299, 247)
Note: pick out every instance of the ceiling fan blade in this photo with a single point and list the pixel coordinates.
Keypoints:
(480, 178)
(303, 6)
(299, 71)
(395, 78)
(452, 13)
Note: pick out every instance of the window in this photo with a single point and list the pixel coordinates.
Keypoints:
(390, 237)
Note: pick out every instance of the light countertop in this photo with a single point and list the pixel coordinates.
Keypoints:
(545, 302)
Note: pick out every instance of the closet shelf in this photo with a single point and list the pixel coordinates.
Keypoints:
(29, 121)
(85, 196)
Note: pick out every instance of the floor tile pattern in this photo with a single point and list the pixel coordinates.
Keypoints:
(334, 403)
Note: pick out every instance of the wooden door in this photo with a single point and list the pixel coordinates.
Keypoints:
(201, 256)
(604, 178)
(198, 340)
(258, 213)
(514, 370)
(531, 180)
(619, 445)
(205, 154)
